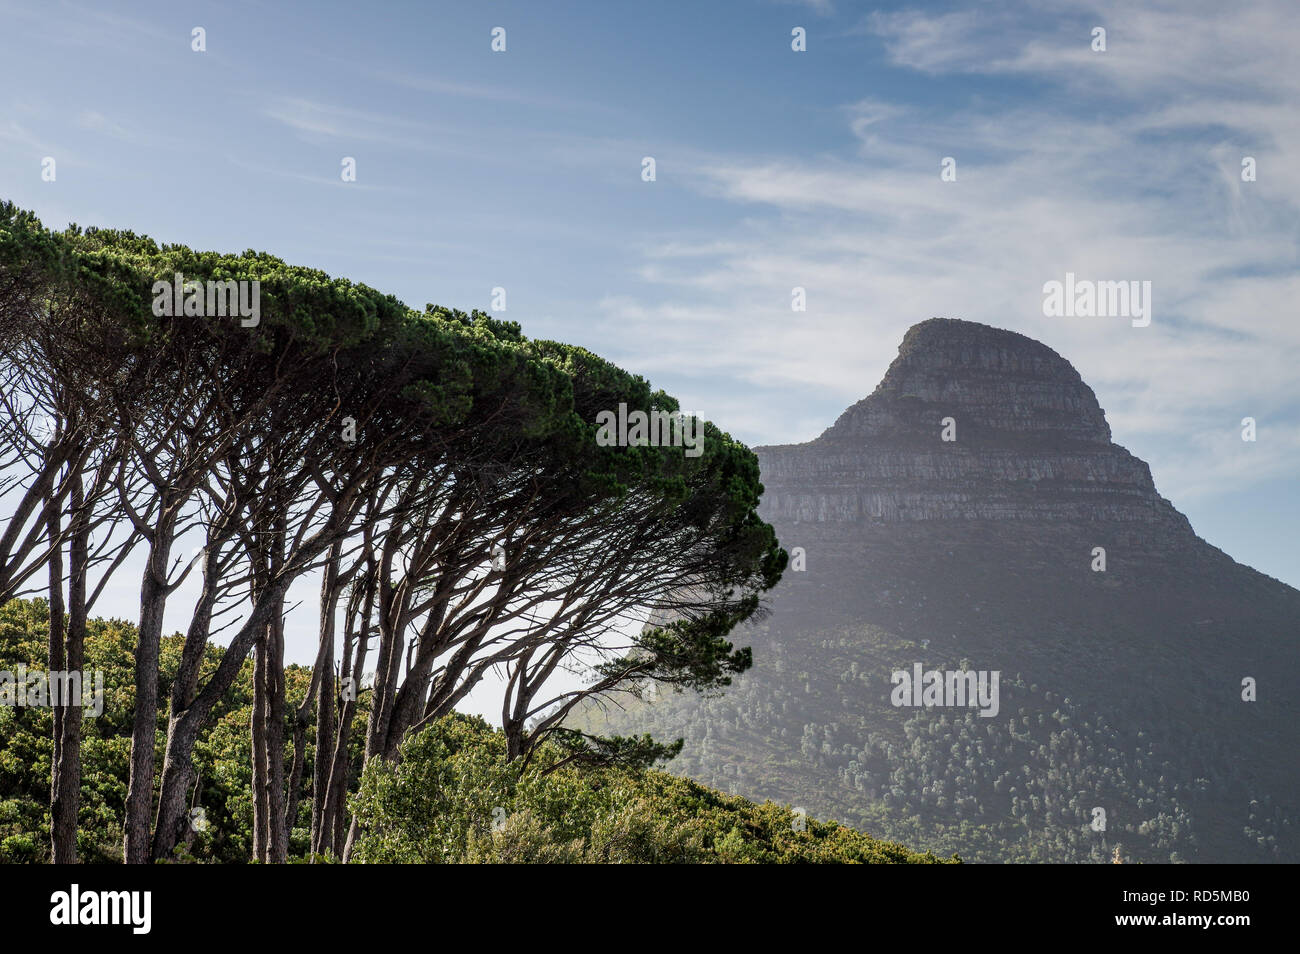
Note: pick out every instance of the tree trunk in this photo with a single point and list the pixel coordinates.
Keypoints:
(67, 774)
(277, 830)
(414, 693)
(334, 814)
(55, 663)
(144, 725)
(351, 843)
(186, 724)
(257, 726)
(178, 767)
(271, 840)
(325, 717)
(334, 821)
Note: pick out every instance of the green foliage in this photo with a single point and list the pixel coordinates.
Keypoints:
(453, 797)
(26, 748)
(222, 756)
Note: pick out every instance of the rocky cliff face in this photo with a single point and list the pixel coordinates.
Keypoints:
(1029, 443)
(1124, 684)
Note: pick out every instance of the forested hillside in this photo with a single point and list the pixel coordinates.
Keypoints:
(815, 727)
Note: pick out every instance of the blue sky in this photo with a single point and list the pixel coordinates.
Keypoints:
(775, 169)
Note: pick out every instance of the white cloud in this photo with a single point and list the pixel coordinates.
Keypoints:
(822, 8)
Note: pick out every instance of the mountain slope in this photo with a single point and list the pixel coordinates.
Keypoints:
(1121, 688)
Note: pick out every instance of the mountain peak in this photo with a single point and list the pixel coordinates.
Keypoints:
(971, 423)
(997, 385)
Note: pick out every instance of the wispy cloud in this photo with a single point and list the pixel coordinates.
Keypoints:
(317, 120)
(494, 94)
(263, 170)
(821, 7)
(92, 121)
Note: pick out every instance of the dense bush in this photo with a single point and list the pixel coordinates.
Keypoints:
(453, 797)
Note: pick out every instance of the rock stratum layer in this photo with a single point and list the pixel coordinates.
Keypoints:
(1122, 689)
(1031, 443)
